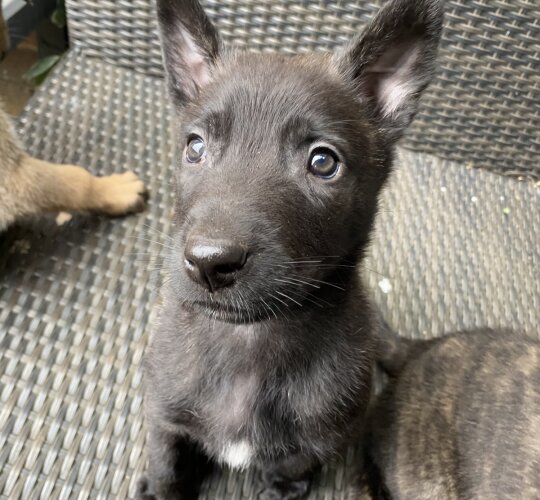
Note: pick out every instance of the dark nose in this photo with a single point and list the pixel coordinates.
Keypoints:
(213, 263)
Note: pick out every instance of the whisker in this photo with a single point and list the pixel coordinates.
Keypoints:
(310, 298)
(281, 311)
(279, 300)
(140, 238)
(317, 266)
(277, 306)
(288, 280)
(167, 236)
(374, 272)
(288, 297)
(311, 257)
(244, 305)
(156, 289)
(154, 269)
(305, 262)
(327, 283)
(268, 308)
(239, 303)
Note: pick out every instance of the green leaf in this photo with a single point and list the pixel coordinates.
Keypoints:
(59, 17)
(40, 69)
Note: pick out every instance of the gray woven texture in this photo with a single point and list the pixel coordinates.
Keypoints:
(483, 109)
(458, 247)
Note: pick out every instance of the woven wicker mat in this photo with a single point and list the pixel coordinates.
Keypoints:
(482, 108)
(454, 248)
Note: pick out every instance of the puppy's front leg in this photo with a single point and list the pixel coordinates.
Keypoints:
(47, 187)
(176, 467)
(288, 480)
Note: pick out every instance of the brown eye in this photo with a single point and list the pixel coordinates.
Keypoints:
(323, 163)
(195, 150)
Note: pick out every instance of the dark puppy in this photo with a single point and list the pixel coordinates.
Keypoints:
(459, 419)
(263, 351)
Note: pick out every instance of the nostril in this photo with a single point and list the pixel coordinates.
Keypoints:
(224, 269)
(233, 262)
(244, 259)
(227, 268)
(213, 263)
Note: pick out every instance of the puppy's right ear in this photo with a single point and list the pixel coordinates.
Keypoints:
(190, 46)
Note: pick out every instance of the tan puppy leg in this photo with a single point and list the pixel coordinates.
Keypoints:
(41, 186)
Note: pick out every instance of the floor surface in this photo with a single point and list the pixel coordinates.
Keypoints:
(15, 91)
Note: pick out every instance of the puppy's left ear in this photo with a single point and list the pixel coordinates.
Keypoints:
(393, 60)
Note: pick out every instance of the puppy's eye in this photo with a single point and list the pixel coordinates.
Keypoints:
(323, 163)
(195, 150)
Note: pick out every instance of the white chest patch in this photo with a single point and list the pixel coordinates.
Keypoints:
(237, 454)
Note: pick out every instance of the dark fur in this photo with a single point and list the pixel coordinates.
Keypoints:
(281, 359)
(4, 34)
(460, 419)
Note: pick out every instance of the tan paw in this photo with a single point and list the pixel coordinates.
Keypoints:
(121, 194)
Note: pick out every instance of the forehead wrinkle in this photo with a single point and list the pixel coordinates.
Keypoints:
(264, 93)
(216, 123)
(300, 131)
(257, 117)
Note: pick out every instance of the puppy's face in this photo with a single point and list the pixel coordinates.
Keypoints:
(276, 157)
(281, 159)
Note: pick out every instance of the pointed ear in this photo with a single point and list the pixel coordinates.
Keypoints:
(190, 45)
(393, 60)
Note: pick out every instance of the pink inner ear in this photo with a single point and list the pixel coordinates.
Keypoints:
(196, 65)
(394, 78)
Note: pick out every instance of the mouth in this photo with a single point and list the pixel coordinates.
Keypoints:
(231, 314)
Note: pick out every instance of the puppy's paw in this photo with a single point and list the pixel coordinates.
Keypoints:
(143, 490)
(278, 487)
(120, 194)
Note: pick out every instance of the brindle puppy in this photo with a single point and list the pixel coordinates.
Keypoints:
(460, 419)
(263, 352)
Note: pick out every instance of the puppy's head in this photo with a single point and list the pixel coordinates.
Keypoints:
(281, 159)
